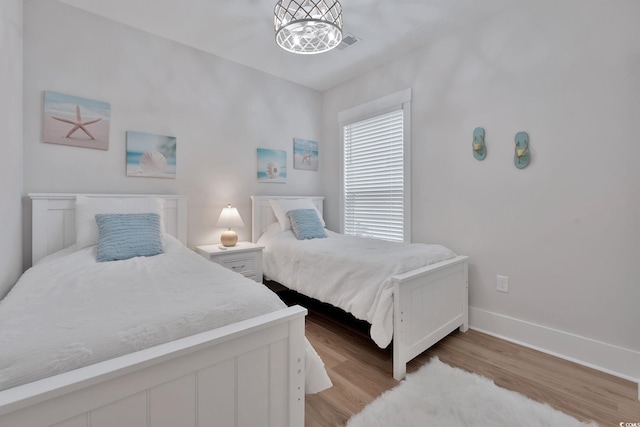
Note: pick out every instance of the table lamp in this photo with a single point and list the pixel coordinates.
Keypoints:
(229, 218)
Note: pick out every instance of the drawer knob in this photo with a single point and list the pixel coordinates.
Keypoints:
(235, 267)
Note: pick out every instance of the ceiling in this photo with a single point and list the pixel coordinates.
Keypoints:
(242, 31)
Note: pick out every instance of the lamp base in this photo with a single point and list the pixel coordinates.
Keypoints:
(229, 238)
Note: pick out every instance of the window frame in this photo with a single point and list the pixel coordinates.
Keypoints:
(395, 101)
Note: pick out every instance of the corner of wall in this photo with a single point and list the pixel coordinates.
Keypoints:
(11, 174)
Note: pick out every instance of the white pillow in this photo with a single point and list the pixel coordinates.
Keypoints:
(282, 206)
(88, 207)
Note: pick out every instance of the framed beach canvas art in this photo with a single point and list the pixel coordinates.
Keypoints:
(305, 154)
(71, 120)
(272, 165)
(150, 155)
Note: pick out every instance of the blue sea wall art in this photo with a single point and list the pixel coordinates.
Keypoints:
(272, 165)
(72, 120)
(152, 156)
(305, 154)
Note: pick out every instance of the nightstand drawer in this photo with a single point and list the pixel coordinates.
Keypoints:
(244, 258)
(243, 265)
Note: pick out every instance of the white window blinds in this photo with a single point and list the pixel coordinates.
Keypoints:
(374, 177)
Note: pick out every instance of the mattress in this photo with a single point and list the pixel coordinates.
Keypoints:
(69, 311)
(352, 273)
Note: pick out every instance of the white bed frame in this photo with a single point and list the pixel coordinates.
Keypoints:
(245, 374)
(429, 302)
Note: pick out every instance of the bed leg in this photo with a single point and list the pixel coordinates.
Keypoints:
(399, 359)
(399, 370)
(465, 300)
(465, 320)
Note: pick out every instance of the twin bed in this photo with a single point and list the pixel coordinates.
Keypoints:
(416, 294)
(173, 339)
(163, 340)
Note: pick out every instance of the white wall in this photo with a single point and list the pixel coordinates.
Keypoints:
(219, 111)
(11, 125)
(565, 230)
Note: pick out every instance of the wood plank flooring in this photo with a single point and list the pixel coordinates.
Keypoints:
(361, 371)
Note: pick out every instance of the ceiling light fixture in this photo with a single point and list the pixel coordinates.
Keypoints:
(308, 26)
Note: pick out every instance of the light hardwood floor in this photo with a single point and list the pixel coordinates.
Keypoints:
(361, 371)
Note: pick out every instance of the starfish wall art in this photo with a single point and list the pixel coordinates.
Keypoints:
(71, 120)
(305, 154)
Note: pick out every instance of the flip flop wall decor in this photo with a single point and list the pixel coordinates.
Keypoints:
(479, 148)
(522, 155)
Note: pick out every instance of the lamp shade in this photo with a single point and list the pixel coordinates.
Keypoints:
(308, 26)
(230, 218)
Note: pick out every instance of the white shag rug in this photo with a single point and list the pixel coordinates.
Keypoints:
(443, 396)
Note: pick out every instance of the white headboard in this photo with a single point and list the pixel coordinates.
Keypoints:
(262, 215)
(54, 220)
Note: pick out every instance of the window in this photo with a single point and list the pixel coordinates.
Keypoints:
(375, 169)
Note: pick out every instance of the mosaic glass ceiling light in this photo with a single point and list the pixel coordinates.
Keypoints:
(308, 26)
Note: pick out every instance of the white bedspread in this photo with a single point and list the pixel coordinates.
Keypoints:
(351, 273)
(69, 311)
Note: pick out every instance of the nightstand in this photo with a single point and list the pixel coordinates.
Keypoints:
(244, 258)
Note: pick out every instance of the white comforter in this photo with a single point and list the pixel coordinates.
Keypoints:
(352, 273)
(69, 311)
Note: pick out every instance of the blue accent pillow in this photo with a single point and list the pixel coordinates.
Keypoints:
(306, 224)
(124, 236)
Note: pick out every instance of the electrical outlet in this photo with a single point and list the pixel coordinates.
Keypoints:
(502, 284)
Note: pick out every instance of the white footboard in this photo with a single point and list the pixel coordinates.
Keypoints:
(246, 374)
(429, 303)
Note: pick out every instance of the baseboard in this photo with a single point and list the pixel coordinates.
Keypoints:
(604, 357)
